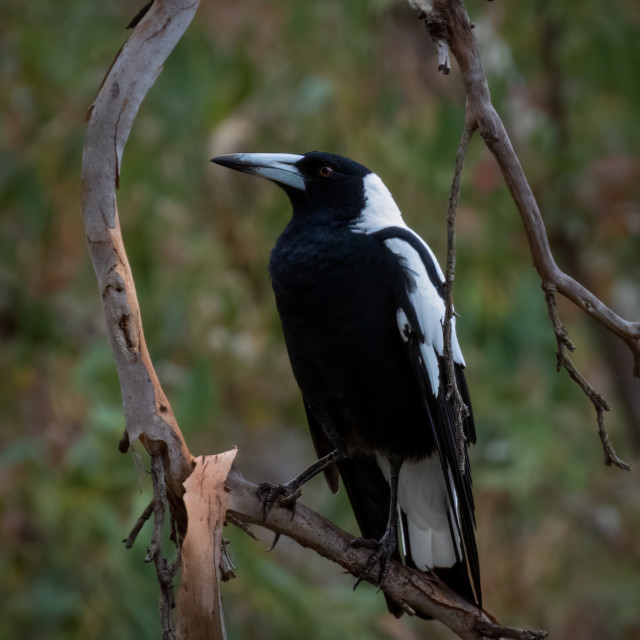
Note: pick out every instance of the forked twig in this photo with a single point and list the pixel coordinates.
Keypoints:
(564, 361)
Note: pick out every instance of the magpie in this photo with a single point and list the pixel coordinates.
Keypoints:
(361, 301)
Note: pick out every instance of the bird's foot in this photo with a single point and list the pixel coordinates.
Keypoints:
(382, 551)
(285, 495)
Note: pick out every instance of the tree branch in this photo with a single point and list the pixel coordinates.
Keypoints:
(599, 403)
(148, 415)
(415, 591)
(447, 20)
(460, 409)
(204, 559)
(147, 411)
(164, 572)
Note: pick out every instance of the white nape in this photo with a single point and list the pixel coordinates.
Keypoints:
(380, 209)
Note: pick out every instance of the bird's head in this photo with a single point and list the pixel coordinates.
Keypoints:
(318, 183)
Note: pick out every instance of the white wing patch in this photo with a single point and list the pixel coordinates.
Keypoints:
(381, 211)
(429, 307)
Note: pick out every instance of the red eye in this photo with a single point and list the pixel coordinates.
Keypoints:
(325, 171)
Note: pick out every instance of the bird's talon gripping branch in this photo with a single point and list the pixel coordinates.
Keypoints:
(285, 495)
(382, 551)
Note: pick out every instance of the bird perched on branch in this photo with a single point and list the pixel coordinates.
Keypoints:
(361, 301)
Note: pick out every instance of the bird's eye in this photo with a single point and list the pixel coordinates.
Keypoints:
(325, 171)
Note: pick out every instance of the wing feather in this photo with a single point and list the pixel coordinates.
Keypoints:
(424, 304)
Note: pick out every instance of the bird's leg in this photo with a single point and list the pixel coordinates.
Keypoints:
(383, 548)
(287, 494)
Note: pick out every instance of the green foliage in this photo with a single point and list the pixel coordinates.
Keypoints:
(557, 531)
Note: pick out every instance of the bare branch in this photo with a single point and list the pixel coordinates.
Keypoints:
(448, 20)
(146, 514)
(164, 572)
(598, 401)
(416, 591)
(203, 554)
(147, 411)
(460, 409)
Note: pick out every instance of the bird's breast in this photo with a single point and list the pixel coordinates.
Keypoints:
(337, 280)
(337, 297)
(310, 259)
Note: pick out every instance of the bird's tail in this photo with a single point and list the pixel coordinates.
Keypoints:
(431, 527)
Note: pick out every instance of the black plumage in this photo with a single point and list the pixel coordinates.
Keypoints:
(360, 298)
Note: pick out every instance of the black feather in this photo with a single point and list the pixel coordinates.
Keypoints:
(339, 286)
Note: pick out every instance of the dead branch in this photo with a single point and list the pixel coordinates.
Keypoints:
(564, 360)
(147, 411)
(204, 559)
(447, 22)
(415, 591)
(460, 409)
(146, 514)
(165, 573)
(148, 414)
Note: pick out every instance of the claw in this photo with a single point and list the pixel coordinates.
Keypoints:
(290, 500)
(283, 494)
(274, 543)
(382, 551)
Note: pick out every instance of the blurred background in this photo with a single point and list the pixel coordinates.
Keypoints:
(558, 533)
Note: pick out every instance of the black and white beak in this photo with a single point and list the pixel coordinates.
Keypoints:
(278, 167)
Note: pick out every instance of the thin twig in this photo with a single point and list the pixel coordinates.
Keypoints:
(227, 568)
(564, 361)
(460, 409)
(146, 514)
(231, 519)
(439, 33)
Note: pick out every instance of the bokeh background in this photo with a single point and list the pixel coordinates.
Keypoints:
(558, 533)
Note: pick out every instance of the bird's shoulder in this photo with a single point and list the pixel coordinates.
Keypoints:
(329, 252)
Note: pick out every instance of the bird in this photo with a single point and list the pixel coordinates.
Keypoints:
(361, 299)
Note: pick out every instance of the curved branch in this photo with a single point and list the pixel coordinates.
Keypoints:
(147, 411)
(447, 20)
(416, 591)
